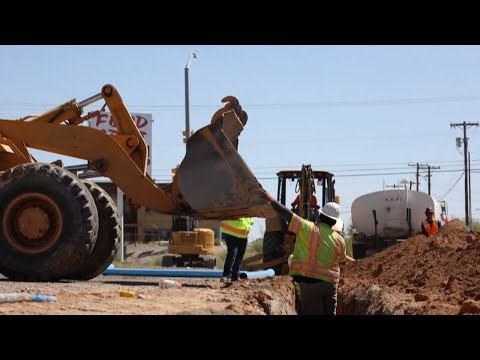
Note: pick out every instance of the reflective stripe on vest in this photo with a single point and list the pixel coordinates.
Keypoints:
(430, 228)
(239, 228)
(313, 257)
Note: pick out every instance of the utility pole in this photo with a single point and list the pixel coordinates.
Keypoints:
(467, 171)
(187, 97)
(429, 182)
(424, 167)
(470, 190)
(418, 174)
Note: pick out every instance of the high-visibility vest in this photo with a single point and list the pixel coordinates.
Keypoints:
(238, 228)
(318, 250)
(430, 228)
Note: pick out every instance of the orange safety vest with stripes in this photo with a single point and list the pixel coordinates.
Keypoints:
(430, 228)
(238, 228)
(318, 250)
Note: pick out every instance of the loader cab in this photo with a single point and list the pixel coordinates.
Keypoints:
(308, 182)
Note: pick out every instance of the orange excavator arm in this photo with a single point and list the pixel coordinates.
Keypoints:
(212, 181)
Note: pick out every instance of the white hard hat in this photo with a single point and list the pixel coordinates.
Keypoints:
(332, 211)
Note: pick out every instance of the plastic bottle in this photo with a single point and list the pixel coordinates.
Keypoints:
(17, 297)
(166, 283)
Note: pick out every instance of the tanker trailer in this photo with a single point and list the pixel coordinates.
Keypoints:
(384, 218)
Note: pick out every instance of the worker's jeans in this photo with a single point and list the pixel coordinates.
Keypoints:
(316, 298)
(235, 250)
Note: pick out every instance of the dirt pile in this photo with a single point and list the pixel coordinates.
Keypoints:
(435, 275)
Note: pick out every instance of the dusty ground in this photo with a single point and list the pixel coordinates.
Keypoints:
(102, 296)
(436, 275)
(197, 296)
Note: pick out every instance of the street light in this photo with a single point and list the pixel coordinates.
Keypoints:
(187, 101)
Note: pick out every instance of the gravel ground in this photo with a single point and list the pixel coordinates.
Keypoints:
(197, 296)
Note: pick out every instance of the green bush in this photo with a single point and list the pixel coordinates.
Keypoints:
(476, 225)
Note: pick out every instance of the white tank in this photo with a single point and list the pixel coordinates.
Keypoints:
(391, 208)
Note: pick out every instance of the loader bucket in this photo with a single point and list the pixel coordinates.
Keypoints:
(214, 179)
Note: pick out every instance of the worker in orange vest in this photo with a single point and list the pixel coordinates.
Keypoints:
(430, 225)
(296, 202)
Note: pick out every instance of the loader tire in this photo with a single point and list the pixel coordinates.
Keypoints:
(210, 262)
(273, 247)
(49, 222)
(108, 239)
(168, 261)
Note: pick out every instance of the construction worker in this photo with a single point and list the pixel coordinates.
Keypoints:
(235, 234)
(430, 225)
(296, 202)
(315, 264)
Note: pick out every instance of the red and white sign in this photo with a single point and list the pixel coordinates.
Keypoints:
(104, 122)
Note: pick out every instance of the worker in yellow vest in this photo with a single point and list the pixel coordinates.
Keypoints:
(315, 264)
(235, 234)
(430, 225)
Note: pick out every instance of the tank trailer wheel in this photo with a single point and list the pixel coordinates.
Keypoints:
(48, 220)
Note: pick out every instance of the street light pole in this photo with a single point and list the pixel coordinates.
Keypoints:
(187, 100)
(189, 221)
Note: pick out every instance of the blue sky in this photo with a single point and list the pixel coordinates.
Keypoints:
(351, 110)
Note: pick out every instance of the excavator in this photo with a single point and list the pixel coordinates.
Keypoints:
(56, 226)
(278, 242)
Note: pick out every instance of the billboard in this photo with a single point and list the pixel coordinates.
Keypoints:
(104, 122)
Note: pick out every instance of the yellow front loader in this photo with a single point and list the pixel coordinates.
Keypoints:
(55, 225)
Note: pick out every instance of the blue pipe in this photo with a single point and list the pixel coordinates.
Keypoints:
(257, 274)
(164, 272)
(111, 270)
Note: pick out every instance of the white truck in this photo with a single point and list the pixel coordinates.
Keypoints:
(384, 218)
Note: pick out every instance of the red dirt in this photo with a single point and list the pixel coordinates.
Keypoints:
(435, 275)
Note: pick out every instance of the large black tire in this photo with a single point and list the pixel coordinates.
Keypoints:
(108, 240)
(168, 261)
(179, 261)
(210, 262)
(48, 220)
(273, 247)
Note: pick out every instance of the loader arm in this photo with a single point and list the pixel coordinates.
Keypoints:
(213, 181)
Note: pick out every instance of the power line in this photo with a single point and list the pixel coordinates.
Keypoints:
(357, 175)
(453, 186)
(332, 167)
(340, 103)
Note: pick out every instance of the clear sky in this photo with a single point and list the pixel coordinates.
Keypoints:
(361, 112)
